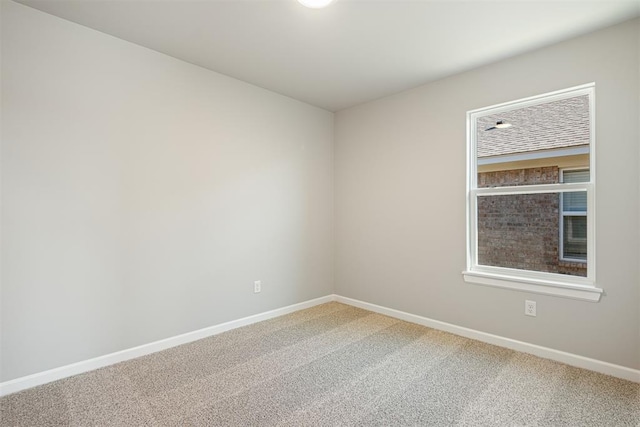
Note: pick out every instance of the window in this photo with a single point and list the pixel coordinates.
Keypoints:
(530, 193)
(573, 219)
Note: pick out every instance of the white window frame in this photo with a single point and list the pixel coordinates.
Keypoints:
(569, 213)
(568, 286)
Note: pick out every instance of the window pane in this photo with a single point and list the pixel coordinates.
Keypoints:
(528, 145)
(522, 231)
(574, 201)
(575, 176)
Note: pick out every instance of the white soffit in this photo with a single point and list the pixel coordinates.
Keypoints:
(348, 53)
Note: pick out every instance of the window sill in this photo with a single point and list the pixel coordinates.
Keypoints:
(544, 287)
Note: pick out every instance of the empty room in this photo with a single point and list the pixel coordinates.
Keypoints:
(320, 212)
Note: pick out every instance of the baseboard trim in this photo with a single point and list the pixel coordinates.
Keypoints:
(29, 381)
(536, 350)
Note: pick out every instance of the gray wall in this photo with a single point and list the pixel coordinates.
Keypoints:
(400, 199)
(142, 196)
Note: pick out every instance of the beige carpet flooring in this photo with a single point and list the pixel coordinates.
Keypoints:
(331, 365)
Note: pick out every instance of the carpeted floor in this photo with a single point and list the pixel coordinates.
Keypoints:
(331, 365)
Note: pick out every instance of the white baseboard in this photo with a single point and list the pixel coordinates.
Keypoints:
(544, 352)
(22, 383)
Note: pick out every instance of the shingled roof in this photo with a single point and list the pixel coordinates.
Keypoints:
(557, 124)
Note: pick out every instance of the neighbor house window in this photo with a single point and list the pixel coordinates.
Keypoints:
(530, 192)
(573, 218)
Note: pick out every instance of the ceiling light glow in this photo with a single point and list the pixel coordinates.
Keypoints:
(315, 4)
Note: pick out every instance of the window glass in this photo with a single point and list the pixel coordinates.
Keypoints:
(515, 231)
(546, 135)
(575, 237)
(573, 230)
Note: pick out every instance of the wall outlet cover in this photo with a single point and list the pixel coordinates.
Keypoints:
(530, 308)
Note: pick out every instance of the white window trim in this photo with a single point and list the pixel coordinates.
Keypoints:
(582, 288)
(562, 215)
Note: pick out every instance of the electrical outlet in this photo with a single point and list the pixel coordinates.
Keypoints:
(530, 308)
(257, 286)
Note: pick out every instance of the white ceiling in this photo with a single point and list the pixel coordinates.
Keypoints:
(351, 52)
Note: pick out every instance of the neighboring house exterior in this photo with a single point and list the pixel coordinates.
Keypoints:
(546, 144)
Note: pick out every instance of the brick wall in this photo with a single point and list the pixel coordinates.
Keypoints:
(522, 231)
(544, 175)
